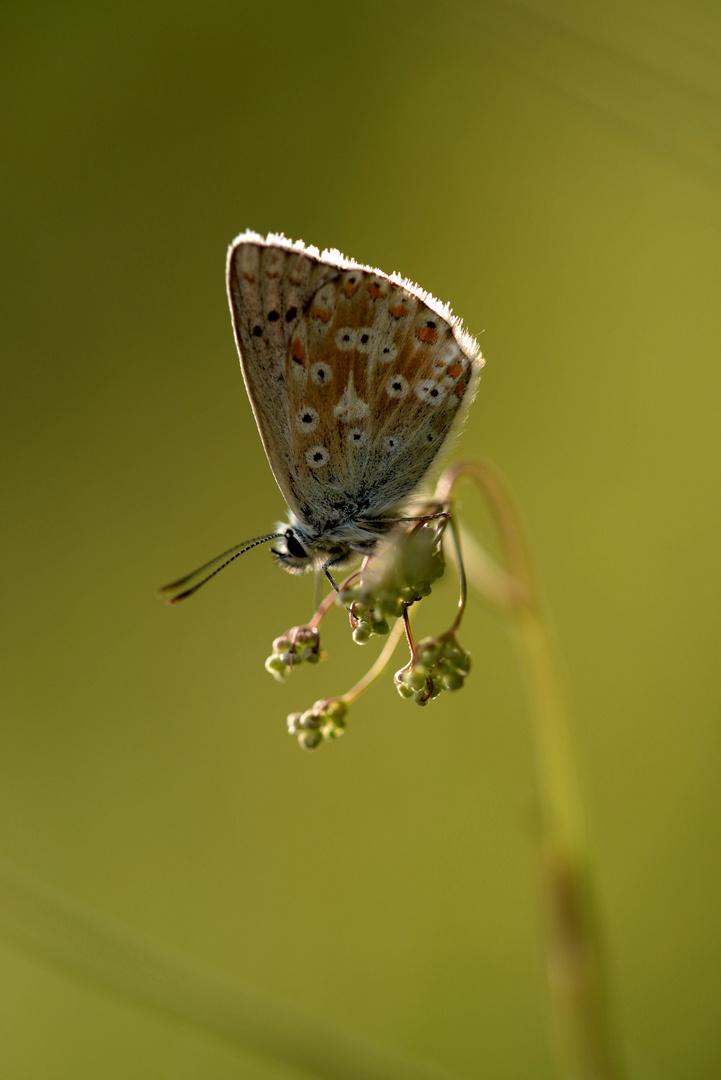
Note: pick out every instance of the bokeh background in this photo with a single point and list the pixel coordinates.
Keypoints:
(553, 171)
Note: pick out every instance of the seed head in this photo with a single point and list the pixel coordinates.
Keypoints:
(298, 645)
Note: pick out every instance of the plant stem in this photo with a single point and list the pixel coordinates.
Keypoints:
(378, 667)
(584, 1039)
(462, 581)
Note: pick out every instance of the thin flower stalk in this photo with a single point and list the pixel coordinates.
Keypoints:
(586, 1048)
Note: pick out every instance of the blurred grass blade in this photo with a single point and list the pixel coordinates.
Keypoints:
(99, 951)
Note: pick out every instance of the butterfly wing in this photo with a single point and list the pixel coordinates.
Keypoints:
(270, 283)
(356, 379)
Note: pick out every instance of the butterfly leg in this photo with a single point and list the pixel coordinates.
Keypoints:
(330, 577)
(334, 560)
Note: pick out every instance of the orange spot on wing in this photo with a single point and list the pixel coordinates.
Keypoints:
(348, 288)
(427, 334)
(298, 351)
(461, 388)
(374, 290)
(399, 311)
(454, 371)
(321, 313)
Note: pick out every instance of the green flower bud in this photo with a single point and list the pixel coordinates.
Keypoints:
(293, 721)
(427, 653)
(413, 678)
(453, 680)
(309, 720)
(336, 709)
(277, 668)
(396, 576)
(300, 643)
(309, 740)
(464, 664)
(362, 633)
(333, 729)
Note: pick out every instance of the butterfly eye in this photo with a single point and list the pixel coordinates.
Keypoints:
(294, 546)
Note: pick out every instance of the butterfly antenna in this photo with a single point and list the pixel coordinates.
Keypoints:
(186, 586)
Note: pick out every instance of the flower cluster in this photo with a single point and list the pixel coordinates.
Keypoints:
(299, 644)
(399, 572)
(324, 721)
(437, 664)
(398, 576)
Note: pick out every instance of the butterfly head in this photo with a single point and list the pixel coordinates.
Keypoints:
(294, 552)
(302, 548)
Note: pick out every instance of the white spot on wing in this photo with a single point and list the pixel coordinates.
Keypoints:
(364, 339)
(325, 298)
(299, 374)
(350, 406)
(345, 338)
(306, 420)
(430, 391)
(317, 457)
(321, 374)
(397, 386)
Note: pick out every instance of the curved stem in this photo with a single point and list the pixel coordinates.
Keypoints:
(379, 667)
(574, 954)
(409, 634)
(506, 518)
(462, 582)
(322, 610)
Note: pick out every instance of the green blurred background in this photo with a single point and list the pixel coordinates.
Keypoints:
(553, 171)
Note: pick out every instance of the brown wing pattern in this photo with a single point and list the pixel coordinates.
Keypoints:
(356, 379)
(269, 286)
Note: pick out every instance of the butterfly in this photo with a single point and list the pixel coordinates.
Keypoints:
(356, 380)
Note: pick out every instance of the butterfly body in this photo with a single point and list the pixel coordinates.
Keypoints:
(356, 380)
